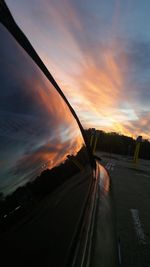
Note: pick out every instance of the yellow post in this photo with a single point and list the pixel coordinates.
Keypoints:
(136, 153)
(137, 149)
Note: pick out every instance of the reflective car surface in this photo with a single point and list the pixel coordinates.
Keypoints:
(48, 182)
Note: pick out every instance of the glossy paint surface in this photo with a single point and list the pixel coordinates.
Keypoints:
(44, 166)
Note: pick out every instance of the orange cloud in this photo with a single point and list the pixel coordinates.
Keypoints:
(80, 50)
(98, 92)
(95, 84)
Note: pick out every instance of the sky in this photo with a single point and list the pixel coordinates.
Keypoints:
(99, 53)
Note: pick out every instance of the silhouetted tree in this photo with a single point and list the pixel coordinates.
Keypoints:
(120, 144)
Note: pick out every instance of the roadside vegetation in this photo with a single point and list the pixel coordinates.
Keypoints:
(113, 142)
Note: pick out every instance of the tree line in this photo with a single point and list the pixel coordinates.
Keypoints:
(113, 142)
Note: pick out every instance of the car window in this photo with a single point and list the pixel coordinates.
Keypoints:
(45, 172)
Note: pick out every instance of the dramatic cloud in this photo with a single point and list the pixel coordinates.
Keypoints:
(99, 52)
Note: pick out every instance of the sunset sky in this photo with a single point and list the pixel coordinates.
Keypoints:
(99, 53)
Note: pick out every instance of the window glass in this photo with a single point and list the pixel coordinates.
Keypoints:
(44, 166)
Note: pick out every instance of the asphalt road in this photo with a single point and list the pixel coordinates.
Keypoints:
(131, 190)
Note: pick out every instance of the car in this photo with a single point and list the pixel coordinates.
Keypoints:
(56, 206)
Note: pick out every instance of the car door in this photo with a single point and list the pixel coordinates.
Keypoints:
(45, 169)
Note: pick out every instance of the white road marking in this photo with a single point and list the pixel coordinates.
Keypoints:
(138, 226)
(17, 208)
(119, 253)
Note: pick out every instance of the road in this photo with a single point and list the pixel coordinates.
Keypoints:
(131, 191)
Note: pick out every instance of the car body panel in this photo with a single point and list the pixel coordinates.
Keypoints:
(54, 196)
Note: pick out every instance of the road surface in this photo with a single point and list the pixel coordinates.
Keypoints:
(131, 190)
